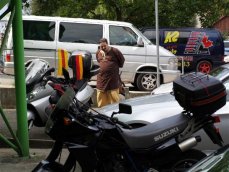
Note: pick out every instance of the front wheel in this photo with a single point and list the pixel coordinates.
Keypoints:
(146, 81)
(185, 160)
(204, 66)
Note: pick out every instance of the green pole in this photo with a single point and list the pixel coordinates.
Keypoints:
(19, 69)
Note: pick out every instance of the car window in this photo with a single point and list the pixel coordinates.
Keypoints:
(80, 32)
(226, 44)
(219, 72)
(120, 35)
(39, 30)
(226, 52)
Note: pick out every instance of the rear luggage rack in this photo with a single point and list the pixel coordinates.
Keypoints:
(199, 93)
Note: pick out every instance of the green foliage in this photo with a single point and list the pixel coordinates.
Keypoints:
(172, 13)
(225, 35)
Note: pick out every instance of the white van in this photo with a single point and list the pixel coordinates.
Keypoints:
(43, 36)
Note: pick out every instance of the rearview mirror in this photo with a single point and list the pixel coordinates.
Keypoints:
(125, 108)
(140, 42)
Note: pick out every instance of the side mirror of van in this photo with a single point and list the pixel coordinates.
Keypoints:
(140, 42)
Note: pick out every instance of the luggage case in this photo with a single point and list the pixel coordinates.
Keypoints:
(199, 93)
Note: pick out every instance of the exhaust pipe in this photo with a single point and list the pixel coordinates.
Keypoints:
(189, 143)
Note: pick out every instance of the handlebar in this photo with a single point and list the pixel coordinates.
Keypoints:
(53, 79)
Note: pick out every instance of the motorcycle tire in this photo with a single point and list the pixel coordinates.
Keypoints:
(185, 160)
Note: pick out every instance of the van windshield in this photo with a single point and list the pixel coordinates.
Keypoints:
(140, 33)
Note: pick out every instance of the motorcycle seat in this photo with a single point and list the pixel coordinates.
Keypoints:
(152, 134)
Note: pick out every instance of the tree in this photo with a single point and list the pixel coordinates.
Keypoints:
(209, 11)
(172, 13)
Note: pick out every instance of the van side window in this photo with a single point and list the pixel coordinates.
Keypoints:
(120, 35)
(80, 33)
(39, 30)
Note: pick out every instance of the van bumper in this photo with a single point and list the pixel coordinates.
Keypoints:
(170, 75)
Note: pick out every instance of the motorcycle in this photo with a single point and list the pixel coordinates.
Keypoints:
(44, 90)
(102, 143)
(36, 88)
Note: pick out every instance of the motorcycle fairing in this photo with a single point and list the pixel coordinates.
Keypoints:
(155, 133)
(38, 107)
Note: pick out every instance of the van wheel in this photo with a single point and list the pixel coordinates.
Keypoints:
(146, 81)
(204, 66)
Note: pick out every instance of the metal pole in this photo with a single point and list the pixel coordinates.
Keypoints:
(157, 42)
(19, 70)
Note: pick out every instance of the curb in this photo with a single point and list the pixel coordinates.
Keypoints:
(33, 143)
(8, 101)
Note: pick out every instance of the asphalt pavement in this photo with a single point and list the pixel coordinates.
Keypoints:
(11, 162)
(40, 146)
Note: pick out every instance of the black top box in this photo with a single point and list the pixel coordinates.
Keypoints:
(199, 93)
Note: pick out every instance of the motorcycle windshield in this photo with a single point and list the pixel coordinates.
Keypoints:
(34, 70)
(62, 105)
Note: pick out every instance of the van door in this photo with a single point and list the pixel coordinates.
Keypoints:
(125, 39)
(39, 40)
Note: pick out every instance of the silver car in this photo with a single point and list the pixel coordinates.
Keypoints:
(221, 72)
(151, 108)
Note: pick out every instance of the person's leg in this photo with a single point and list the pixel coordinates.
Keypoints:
(102, 99)
(113, 96)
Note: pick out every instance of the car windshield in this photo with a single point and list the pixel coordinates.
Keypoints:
(220, 72)
(213, 163)
(222, 164)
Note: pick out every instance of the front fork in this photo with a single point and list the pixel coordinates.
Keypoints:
(49, 163)
(30, 118)
(56, 151)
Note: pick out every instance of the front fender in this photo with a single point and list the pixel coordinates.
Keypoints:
(31, 114)
(36, 110)
(213, 134)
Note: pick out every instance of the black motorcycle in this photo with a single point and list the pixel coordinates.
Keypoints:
(104, 144)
